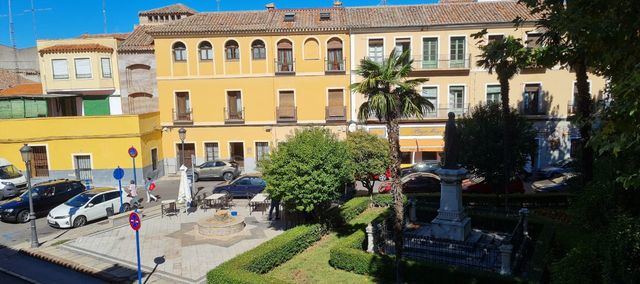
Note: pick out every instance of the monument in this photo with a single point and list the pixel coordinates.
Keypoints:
(452, 223)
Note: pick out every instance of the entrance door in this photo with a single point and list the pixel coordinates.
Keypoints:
(237, 152)
(183, 106)
(189, 149)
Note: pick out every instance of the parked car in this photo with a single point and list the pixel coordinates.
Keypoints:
(242, 186)
(557, 183)
(217, 169)
(45, 195)
(564, 166)
(479, 185)
(12, 182)
(415, 183)
(88, 206)
(421, 167)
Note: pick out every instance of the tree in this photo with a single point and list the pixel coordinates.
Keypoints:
(308, 171)
(389, 97)
(370, 156)
(482, 149)
(506, 57)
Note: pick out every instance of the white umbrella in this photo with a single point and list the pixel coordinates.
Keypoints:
(184, 185)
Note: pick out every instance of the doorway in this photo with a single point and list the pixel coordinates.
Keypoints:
(237, 152)
(189, 150)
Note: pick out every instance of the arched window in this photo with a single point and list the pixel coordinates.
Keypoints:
(179, 51)
(258, 49)
(335, 59)
(206, 50)
(232, 50)
(285, 56)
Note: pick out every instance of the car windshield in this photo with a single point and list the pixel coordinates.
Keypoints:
(36, 190)
(9, 172)
(80, 199)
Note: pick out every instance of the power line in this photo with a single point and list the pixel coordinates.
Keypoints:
(33, 11)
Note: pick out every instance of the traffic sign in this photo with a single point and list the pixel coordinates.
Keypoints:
(134, 221)
(118, 173)
(133, 152)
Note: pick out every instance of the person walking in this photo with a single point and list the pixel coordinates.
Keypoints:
(275, 204)
(133, 191)
(149, 186)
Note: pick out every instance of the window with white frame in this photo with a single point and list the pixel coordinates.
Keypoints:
(430, 53)
(402, 45)
(262, 150)
(456, 52)
(211, 151)
(60, 68)
(83, 68)
(376, 52)
(431, 94)
(105, 64)
(205, 50)
(456, 99)
(493, 94)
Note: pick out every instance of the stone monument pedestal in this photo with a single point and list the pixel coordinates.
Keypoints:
(452, 222)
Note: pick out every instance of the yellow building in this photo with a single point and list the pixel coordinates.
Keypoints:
(240, 82)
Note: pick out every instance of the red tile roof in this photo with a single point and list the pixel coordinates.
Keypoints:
(23, 89)
(118, 36)
(138, 41)
(175, 9)
(64, 48)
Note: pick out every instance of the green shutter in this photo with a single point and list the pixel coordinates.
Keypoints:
(96, 105)
(30, 108)
(42, 108)
(17, 108)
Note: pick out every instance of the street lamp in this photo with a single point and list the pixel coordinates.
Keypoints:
(182, 134)
(26, 153)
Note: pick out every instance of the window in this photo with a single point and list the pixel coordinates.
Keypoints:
(179, 52)
(336, 108)
(493, 94)
(183, 107)
(456, 99)
(97, 200)
(289, 17)
(429, 53)
(431, 94)
(211, 151)
(154, 159)
(335, 61)
(232, 50)
(234, 105)
(105, 63)
(402, 45)
(258, 50)
(532, 98)
(39, 162)
(205, 50)
(532, 40)
(60, 69)
(376, 52)
(456, 51)
(285, 56)
(492, 38)
(82, 164)
(61, 188)
(286, 105)
(111, 195)
(325, 16)
(83, 68)
(262, 150)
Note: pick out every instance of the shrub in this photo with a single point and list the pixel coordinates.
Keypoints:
(340, 216)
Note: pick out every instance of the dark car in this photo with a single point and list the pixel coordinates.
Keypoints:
(242, 186)
(421, 167)
(415, 183)
(480, 185)
(560, 167)
(45, 195)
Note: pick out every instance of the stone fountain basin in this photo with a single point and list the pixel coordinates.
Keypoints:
(210, 226)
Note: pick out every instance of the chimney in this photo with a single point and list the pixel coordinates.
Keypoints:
(337, 3)
(270, 6)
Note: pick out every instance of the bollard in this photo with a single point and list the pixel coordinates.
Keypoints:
(369, 231)
(524, 214)
(505, 256)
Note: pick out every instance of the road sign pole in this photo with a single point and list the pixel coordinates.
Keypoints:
(135, 222)
(120, 188)
(135, 178)
(138, 252)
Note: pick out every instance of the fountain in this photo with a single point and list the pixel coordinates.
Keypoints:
(220, 224)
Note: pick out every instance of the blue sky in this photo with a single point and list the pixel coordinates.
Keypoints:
(70, 18)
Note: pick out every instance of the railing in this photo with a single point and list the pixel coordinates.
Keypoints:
(532, 110)
(182, 115)
(439, 112)
(285, 67)
(287, 114)
(236, 116)
(336, 113)
(441, 62)
(334, 65)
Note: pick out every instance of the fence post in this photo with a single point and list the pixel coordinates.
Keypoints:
(412, 210)
(505, 256)
(369, 231)
(524, 214)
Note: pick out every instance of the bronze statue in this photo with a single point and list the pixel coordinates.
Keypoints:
(450, 144)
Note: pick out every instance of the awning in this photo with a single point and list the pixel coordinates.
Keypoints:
(42, 96)
(421, 145)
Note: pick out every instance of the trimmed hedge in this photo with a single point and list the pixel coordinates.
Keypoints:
(340, 216)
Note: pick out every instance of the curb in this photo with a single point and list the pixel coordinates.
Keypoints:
(16, 275)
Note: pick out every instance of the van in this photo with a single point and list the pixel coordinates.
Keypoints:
(12, 181)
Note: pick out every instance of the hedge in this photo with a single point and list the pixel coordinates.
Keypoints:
(339, 216)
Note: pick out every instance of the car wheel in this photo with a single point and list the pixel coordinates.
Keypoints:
(79, 221)
(23, 216)
(225, 192)
(196, 177)
(126, 207)
(227, 176)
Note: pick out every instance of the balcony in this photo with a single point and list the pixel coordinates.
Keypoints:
(442, 65)
(285, 68)
(333, 66)
(440, 112)
(532, 111)
(286, 114)
(336, 113)
(182, 116)
(233, 116)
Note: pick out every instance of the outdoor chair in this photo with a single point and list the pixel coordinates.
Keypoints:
(204, 205)
(169, 208)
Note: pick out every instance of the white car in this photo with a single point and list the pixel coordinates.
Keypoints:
(12, 181)
(87, 206)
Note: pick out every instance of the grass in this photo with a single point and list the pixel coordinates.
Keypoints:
(312, 265)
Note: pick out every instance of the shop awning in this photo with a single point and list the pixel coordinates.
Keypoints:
(421, 145)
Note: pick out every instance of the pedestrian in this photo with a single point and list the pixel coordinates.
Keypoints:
(275, 204)
(149, 186)
(133, 191)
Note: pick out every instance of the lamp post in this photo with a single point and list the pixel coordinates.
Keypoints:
(26, 153)
(182, 134)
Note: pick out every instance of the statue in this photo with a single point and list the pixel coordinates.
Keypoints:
(450, 144)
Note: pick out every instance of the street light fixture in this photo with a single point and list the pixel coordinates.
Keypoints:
(26, 153)
(182, 134)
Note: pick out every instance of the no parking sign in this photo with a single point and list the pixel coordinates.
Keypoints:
(134, 221)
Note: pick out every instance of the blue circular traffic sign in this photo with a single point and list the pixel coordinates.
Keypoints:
(133, 152)
(134, 221)
(118, 173)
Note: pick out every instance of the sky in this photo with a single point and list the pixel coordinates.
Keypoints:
(57, 19)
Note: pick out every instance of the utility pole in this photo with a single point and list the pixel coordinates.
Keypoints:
(104, 15)
(33, 11)
(218, 5)
(12, 38)
(383, 2)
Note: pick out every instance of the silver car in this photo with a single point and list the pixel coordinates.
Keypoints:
(217, 169)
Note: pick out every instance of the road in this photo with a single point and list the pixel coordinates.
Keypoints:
(12, 234)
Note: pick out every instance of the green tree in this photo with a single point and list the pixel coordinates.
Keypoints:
(506, 57)
(389, 97)
(370, 156)
(482, 149)
(308, 171)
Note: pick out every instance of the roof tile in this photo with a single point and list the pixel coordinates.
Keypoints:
(88, 47)
(175, 9)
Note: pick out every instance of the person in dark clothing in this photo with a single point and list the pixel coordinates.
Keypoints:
(275, 204)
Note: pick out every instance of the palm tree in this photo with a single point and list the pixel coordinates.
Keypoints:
(506, 57)
(390, 97)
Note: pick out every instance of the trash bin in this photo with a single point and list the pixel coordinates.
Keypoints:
(110, 211)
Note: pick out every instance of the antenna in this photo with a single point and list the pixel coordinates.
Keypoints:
(104, 15)
(383, 2)
(12, 38)
(33, 11)
(218, 4)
